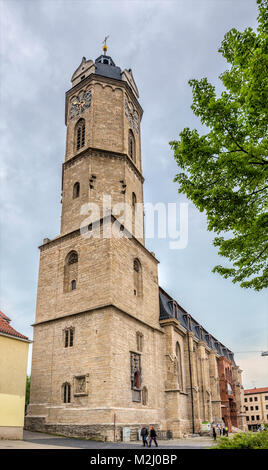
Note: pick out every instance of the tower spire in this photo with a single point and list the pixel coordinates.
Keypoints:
(104, 47)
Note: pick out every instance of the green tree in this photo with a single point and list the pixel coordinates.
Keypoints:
(27, 394)
(225, 171)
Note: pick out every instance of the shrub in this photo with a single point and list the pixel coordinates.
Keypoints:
(245, 440)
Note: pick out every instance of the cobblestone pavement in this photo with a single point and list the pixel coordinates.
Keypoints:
(37, 440)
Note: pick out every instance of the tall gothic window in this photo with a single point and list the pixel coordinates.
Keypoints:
(80, 134)
(76, 190)
(131, 145)
(137, 271)
(66, 393)
(70, 271)
(179, 365)
(134, 202)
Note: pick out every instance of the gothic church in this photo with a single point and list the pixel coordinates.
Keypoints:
(112, 350)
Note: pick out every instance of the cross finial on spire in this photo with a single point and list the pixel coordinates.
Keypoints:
(104, 47)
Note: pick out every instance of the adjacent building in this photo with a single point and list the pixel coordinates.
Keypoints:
(256, 407)
(112, 350)
(13, 368)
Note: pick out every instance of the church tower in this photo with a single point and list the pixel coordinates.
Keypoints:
(97, 340)
(112, 350)
(103, 146)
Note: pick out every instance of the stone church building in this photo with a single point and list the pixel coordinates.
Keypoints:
(113, 350)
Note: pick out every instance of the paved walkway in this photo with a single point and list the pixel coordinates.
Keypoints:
(37, 440)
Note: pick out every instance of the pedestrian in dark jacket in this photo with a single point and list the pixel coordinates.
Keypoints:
(144, 434)
(214, 433)
(153, 437)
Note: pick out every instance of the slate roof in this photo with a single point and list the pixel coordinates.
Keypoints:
(7, 329)
(107, 69)
(167, 311)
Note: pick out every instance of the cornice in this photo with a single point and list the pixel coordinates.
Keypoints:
(101, 307)
(106, 153)
(76, 233)
(173, 322)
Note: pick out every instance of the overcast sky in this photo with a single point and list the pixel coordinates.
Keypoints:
(165, 43)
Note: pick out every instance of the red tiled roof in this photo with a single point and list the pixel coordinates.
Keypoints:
(7, 329)
(255, 390)
(4, 316)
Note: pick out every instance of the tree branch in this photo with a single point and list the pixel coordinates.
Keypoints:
(259, 191)
(264, 162)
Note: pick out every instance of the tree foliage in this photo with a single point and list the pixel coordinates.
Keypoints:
(225, 171)
(27, 392)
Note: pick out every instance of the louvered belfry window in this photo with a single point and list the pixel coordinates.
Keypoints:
(80, 134)
(131, 145)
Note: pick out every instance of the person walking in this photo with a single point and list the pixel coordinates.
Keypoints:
(214, 433)
(226, 431)
(153, 437)
(144, 434)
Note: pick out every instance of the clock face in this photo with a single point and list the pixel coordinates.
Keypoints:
(79, 103)
(132, 115)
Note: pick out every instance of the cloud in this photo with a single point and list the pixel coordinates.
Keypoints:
(165, 43)
(254, 366)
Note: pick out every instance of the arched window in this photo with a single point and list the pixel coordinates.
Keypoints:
(66, 393)
(76, 190)
(179, 365)
(70, 271)
(131, 145)
(145, 396)
(136, 265)
(137, 271)
(80, 134)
